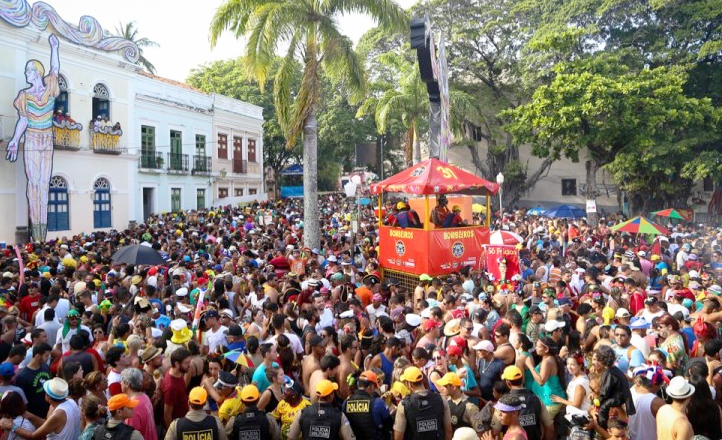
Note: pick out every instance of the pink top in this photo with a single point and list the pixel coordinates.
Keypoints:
(142, 419)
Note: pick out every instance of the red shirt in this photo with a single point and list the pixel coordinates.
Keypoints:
(636, 301)
(175, 394)
(29, 305)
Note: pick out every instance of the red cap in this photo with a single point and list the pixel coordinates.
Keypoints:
(431, 323)
(454, 350)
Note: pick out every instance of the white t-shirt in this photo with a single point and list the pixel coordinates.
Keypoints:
(65, 342)
(62, 308)
(296, 345)
(216, 338)
(582, 380)
(374, 312)
(40, 316)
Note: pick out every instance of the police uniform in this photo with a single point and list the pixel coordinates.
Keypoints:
(253, 424)
(196, 425)
(321, 421)
(422, 416)
(464, 414)
(359, 409)
(534, 415)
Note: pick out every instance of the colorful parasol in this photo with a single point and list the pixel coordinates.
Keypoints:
(505, 237)
(538, 211)
(239, 358)
(670, 213)
(640, 225)
(476, 208)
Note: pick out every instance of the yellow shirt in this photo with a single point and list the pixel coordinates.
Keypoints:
(287, 413)
(232, 406)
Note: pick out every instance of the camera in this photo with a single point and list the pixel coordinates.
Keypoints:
(579, 420)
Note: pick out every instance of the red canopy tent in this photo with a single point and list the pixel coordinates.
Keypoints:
(429, 250)
(433, 176)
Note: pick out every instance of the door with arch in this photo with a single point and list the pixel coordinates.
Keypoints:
(101, 204)
(58, 205)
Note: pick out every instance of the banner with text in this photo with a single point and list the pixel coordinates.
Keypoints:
(496, 255)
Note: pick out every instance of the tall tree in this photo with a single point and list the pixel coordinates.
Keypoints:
(311, 33)
(130, 32)
(601, 108)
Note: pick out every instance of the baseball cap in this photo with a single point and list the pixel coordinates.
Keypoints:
(564, 301)
(123, 401)
(512, 372)
(622, 313)
(249, 393)
(7, 369)
(412, 374)
(554, 325)
(430, 324)
(369, 376)
(326, 387)
(198, 396)
(651, 300)
(235, 330)
(450, 378)
(454, 350)
(484, 345)
(424, 277)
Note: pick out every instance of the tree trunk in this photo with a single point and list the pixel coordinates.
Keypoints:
(417, 148)
(311, 231)
(591, 192)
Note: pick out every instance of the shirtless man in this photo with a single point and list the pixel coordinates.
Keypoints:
(349, 347)
(672, 422)
(312, 362)
(329, 370)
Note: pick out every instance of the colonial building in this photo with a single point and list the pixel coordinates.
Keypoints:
(125, 144)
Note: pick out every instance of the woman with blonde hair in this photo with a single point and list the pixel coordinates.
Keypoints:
(97, 385)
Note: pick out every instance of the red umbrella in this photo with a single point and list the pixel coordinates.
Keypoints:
(505, 237)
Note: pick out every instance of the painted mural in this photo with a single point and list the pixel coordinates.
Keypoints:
(35, 106)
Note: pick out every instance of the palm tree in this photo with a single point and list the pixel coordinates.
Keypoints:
(309, 28)
(130, 32)
(407, 101)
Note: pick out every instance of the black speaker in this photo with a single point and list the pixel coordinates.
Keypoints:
(418, 32)
(434, 91)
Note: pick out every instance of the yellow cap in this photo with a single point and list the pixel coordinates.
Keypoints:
(326, 387)
(400, 389)
(456, 208)
(249, 393)
(198, 396)
(450, 378)
(512, 372)
(412, 374)
(400, 205)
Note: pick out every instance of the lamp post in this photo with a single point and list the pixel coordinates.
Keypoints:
(500, 181)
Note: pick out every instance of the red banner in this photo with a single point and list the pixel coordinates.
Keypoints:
(496, 255)
(436, 252)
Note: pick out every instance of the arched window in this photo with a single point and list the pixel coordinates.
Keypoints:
(61, 101)
(101, 101)
(58, 205)
(101, 204)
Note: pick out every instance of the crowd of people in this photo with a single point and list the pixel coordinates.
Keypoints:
(245, 333)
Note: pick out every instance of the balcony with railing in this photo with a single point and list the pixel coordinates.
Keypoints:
(151, 161)
(201, 165)
(66, 134)
(177, 163)
(106, 140)
(240, 166)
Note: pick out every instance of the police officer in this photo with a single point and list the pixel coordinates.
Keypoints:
(196, 425)
(252, 423)
(421, 415)
(368, 414)
(463, 411)
(322, 420)
(534, 417)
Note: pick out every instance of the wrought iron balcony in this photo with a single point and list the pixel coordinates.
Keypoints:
(201, 165)
(240, 166)
(152, 160)
(177, 163)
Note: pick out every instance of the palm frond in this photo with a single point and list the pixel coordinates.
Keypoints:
(282, 83)
(340, 60)
(387, 13)
(232, 15)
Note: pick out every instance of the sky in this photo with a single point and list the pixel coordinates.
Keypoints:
(180, 27)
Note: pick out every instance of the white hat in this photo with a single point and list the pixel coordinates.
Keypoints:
(64, 246)
(622, 313)
(716, 288)
(426, 313)
(693, 274)
(178, 324)
(181, 292)
(465, 433)
(679, 388)
(57, 388)
(152, 281)
(183, 309)
(642, 254)
(413, 320)
(484, 345)
(347, 314)
(227, 312)
(332, 259)
(8, 275)
(554, 325)
(156, 332)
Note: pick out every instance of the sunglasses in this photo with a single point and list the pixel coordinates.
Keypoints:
(438, 358)
(469, 328)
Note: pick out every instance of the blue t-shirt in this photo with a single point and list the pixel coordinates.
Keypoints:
(468, 382)
(260, 379)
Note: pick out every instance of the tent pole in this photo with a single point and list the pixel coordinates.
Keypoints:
(428, 215)
(381, 214)
(488, 210)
